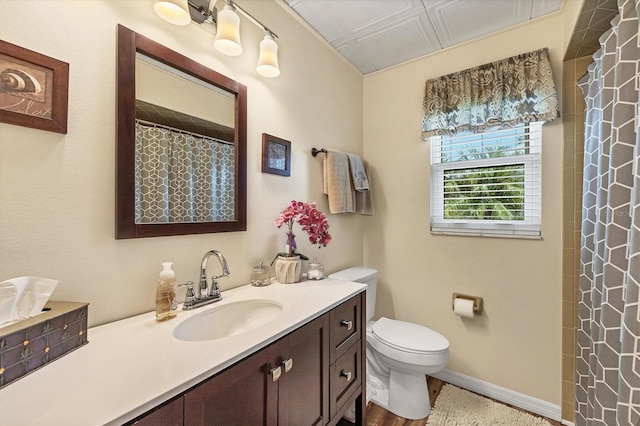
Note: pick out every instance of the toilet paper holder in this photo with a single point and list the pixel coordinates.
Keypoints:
(477, 301)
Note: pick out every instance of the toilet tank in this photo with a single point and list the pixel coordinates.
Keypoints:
(364, 275)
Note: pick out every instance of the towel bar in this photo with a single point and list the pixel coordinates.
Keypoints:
(315, 151)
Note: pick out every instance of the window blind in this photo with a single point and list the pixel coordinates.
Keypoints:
(487, 183)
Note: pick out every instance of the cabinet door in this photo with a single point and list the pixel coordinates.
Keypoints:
(244, 394)
(167, 415)
(304, 385)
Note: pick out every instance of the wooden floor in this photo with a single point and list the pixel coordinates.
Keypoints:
(377, 416)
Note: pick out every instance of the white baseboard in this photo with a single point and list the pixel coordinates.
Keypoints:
(568, 423)
(499, 393)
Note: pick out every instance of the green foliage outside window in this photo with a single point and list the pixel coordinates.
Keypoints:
(485, 193)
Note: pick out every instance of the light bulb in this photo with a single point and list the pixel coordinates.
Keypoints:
(268, 60)
(173, 11)
(228, 33)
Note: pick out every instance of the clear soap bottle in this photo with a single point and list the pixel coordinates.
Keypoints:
(166, 294)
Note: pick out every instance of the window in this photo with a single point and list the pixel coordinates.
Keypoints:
(487, 184)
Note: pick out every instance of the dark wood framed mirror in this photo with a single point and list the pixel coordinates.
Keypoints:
(145, 190)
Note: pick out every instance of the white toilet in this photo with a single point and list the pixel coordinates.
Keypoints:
(399, 355)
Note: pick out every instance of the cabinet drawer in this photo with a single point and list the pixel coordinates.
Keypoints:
(346, 378)
(345, 326)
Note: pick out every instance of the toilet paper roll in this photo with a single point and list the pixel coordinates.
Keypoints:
(463, 308)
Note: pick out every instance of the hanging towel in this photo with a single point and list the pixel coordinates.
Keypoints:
(358, 174)
(364, 199)
(337, 182)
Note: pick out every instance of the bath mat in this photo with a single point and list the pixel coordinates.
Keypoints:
(458, 407)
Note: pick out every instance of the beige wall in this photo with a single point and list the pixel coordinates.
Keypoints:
(516, 343)
(57, 191)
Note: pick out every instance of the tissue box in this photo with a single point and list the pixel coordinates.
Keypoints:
(32, 343)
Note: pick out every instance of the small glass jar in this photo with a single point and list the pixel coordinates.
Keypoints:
(315, 271)
(260, 275)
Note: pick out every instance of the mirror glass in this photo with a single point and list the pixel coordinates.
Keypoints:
(181, 160)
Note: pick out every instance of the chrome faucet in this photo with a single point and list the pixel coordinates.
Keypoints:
(205, 294)
(214, 290)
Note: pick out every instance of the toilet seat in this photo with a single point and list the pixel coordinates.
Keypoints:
(408, 342)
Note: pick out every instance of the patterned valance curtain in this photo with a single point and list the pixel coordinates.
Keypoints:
(608, 335)
(182, 177)
(500, 94)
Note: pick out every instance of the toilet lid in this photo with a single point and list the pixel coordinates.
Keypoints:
(409, 337)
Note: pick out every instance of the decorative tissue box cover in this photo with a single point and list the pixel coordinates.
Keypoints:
(32, 343)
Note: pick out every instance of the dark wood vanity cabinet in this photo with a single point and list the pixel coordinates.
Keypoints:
(286, 383)
(347, 377)
(303, 390)
(308, 377)
(168, 414)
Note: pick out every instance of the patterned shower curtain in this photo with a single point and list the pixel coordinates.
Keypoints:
(182, 177)
(608, 343)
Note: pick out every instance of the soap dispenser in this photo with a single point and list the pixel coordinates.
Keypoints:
(166, 294)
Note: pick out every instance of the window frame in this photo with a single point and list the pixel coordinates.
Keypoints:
(529, 228)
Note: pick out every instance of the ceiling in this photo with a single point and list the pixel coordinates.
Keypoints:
(594, 19)
(377, 34)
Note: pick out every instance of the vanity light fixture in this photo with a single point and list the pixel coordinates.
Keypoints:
(173, 11)
(227, 28)
(228, 32)
(268, 60)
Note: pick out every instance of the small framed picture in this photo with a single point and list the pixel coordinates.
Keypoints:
(276, 155)
(34, 89)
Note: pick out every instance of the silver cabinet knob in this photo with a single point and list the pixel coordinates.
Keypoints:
(346, 375)
(287, 364)
(275, 373)
(348, 324)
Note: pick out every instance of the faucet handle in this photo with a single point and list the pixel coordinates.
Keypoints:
(190, 298)
(214, 290)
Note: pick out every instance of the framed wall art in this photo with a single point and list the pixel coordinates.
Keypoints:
(276, 155)
(34, 89)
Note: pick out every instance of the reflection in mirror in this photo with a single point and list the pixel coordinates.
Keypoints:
(182, 148)
(184, 160)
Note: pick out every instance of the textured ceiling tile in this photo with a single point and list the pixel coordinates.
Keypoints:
(457, 21)
(374, 34)
(358, 60)
(542, 7)
(340, 19)
(407, 40)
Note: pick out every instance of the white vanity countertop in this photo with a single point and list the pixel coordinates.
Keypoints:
(132, 365)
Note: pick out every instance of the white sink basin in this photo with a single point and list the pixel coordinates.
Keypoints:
(227, 320)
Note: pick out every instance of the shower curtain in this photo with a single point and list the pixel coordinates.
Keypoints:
(608, 341)
(181, 177)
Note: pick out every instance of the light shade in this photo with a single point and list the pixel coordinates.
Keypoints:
(228, 35)
(173, 11)
(268, 60)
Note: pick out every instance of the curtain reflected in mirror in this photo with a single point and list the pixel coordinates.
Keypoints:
(182, 177)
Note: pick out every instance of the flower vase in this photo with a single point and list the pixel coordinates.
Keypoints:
(288, 269)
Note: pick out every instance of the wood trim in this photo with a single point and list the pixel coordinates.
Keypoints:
(59, 91)
(128, 43)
